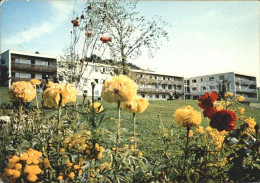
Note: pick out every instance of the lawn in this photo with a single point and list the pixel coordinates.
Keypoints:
(148, 122)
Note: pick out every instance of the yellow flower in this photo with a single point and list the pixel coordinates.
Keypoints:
(32, 177)
(99, 155)
(208, 129)
(16, 174)
(240, 98)
(46, 163)
(60, 177)
(76, 167)
(69, 164)
(219, 107)
(97, 107)
(228, 95)
(241, 110)
(62, 150)
(135, 105)
(190, 133)
(22, 91)
(71, 175)
(15, 159)
(251, 124)
(54, 92)
(200, 130)
(18, 166)
(35, 81)
(187, 116)
(119, 89)
(9, 171)
(140, 154)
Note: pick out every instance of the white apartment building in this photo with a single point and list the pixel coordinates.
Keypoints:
(23, 66)
(238, 84)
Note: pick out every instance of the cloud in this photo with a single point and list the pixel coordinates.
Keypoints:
(60, 11)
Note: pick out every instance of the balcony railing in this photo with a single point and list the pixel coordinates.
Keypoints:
(155, 90)
(246, 90)
(14, 79)
(245, 82)
(33, 67)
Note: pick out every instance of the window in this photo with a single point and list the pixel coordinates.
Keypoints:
(155, 77)
(96, 92)
(28, 61)
(203, 88)
(13, 74)
(150, 95)
(96, 80)
(44, 76)
(194, 88)
(17, 60)
(143, 95)
(170, 87)
(211, 78)
(163, 78)
(201, 79)
(17, 74)
(29, 76)
(32, 75)
(221, 77)
(13, 59)
(85, 80)
(169, 78)
(44, 63)
(156, 96)
(164, 96)
(212, 87)
(194, 81)
(163, 86)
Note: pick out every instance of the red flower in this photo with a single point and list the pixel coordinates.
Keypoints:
(75, 23)
(207, 100)
(89, 34)
(106, 39)
(209, 112)
(223, 120)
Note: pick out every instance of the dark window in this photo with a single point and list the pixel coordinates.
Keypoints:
(163, 96)
(13, 74)
(33, 75)
(194, 81)
(156, 96)
(96, 80)
(143, 95)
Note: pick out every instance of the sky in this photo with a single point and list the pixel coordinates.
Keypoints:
(205, 37)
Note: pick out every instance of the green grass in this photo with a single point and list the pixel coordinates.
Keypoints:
(148, 122)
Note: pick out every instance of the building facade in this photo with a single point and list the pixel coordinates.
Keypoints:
(159, 86)
(23, 66)
(238, 84)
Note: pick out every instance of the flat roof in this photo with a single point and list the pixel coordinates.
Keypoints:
(155, 73)
(244, 74)
(31, 54)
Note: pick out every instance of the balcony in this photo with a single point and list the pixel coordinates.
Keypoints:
(33, 67)
(245, 82)
(161, 91)
(246, 90)
(14, 79)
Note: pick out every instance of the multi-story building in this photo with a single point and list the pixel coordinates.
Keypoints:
(238, 84)
(159, 86)
(22, 66)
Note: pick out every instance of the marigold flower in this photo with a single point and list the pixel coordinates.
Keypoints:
(228, 95)
(76, 167)
(16, 174)
(208, 129)
(241, 110)
(200, 130)
(251, 124)
(46, 163)
(98, 108)
(52, 95)
(71, 175)
(35, 81)
(240, 98)
(187, 116)
(69, 164)
(22, 91)
(9, 171)
(18, 166)
(62, 150)
(223, 120)
(190, 133)
(60, 177)
(31, 177)
(207, 100)
(119, 89)
(136, 105)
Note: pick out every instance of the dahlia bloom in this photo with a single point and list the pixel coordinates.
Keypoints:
(136, 105)
(22, 91)
(98, 108)
(223, 120)
(119, 89)
(54, 91)
(187, 116)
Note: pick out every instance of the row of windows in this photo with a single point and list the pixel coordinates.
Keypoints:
(212, 78)
(164, 86)
(18, 60)
(28, 75)
(161, 77)
(151, 96)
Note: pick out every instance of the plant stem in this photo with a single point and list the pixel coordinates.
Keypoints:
(134, 135)
(117, 131)
(36, 99)
(186, 152)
